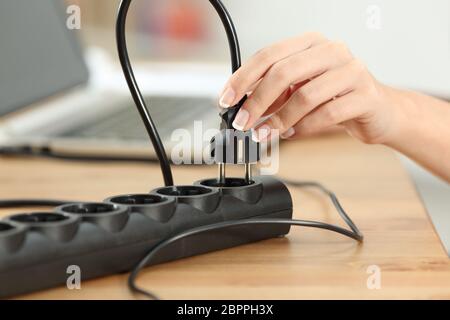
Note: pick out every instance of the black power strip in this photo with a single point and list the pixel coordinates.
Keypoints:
(36, 249)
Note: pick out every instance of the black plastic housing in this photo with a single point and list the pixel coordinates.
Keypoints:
(111, 237)
(231, 146)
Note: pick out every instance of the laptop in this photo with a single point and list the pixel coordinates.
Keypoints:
(55, 97)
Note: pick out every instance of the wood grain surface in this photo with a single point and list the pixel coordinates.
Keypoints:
(307, 264)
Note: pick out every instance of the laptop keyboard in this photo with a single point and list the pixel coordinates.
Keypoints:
(168, 113)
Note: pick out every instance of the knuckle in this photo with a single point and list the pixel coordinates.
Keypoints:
(331, 114)
(254, 103)
(264, 55)
(369, 139)
(237, 82)
(315, 36)
(360, 73)
(303, 97)
(279, 72)
(303, 128)
(277, 122)
(234, 83)
(340, 48)
(358, 66)
(371, 89)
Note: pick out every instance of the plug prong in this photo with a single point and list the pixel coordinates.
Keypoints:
(222, 174)
(248, 173)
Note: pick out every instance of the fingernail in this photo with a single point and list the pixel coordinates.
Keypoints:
(241, 119)
(254, 135)
(289, 133)
(227, 98)
(261, 133)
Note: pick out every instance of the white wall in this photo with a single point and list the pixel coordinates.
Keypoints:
(410, 50)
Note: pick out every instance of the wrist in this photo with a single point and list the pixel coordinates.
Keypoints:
(405, 114)
(420, 130)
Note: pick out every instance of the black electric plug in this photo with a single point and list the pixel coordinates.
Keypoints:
(229, 114)
(231, 146)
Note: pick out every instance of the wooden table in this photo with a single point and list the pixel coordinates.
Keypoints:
(308, 264)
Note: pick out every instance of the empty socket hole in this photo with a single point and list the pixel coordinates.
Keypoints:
(137, 199)
(39, 217)
(90, 208)
(184, 191)
(229, 183)
(5, 227)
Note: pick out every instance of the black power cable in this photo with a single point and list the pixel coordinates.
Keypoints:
(137, 95)
(133, 85)
(28, 151)
(333, 198)
(230, 30)
(223, 225)
(354, 233)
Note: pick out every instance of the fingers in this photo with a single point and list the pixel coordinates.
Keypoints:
(293, 69)
(281, 100)
(240, 82)
(333, 83)
(327, 116)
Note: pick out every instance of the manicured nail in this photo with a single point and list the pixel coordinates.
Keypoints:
(254, 135)
(241, 119)
(227, 98)
(289, 133)
(261, 133)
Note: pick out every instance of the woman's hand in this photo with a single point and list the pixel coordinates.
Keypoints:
(308, 84)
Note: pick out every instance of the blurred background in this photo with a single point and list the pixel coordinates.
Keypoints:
(399, 40)
(179, 49)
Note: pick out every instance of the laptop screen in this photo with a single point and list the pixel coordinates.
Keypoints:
(39, 55)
